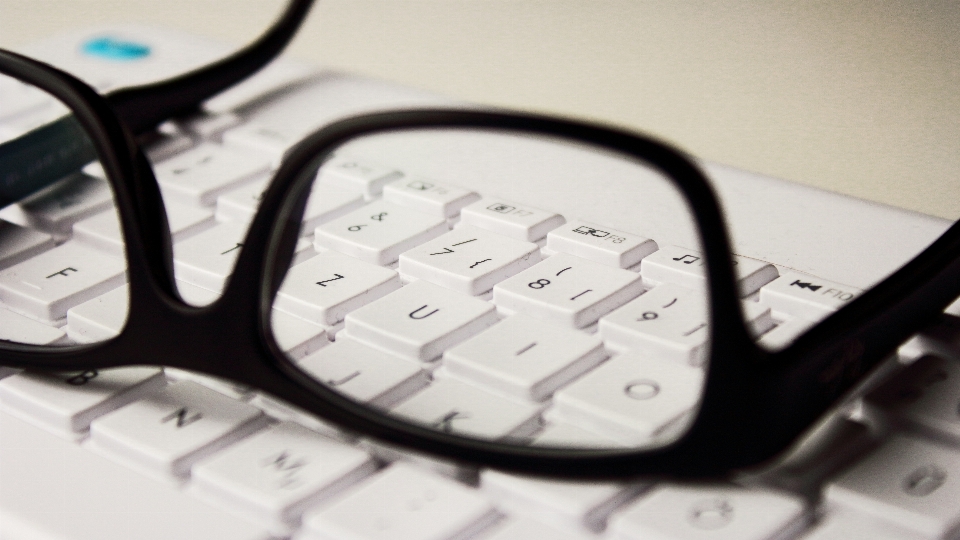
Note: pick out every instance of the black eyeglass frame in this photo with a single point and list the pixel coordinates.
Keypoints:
(755, 402)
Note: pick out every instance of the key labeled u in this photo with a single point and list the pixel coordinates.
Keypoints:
(413, 314)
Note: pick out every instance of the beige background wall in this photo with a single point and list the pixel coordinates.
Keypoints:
(859, 97)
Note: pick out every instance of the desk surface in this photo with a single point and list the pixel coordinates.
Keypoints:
(858, 97)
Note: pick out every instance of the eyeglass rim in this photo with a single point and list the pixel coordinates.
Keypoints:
(151, 278)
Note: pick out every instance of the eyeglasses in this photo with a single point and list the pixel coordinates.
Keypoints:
(745, 403)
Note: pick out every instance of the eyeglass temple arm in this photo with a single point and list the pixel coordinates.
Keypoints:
(834, 358)
(142, 108)
(41, 156)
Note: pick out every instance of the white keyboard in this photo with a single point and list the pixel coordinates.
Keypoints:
(149, 453)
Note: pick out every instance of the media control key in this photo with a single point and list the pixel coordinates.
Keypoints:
(806, 296)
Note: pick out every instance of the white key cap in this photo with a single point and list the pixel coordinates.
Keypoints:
(402, 502)
(420, 320)
(379, 232)
(324, 205)
(200, 175)
(325, 288)
(162, 146)
(906, 481)
(710, 513)
(568, 290)
(599, 243)
(684, 266)
(365, 374)
(102, 231)
(358, 175)
(510, 219)
(468, 260)
(85, 484)
(806, 296)
(560, 433)
(20, 329)
(206, 260)
(66, 403)
(784, 333)
(925, 395)
(844, 525)
(297, 337)
(167, 432)
(569, 504)
(630, 398)
(55, 209)
(269, 140)
(429, 196)
(45, 286)
(524, 357)
(208, 126)
(524, 528)
(18, 244)
(457, 407)
(670, 322)
(275, 474)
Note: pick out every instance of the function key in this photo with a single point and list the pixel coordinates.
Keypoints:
(686, 267)
(601, 244)
(429, 196)
(806, 296)
(511, 219)
(356, 175)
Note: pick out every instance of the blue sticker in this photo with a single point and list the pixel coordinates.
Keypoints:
(115, 49)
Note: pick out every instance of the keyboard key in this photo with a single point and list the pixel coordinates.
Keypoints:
(468, 260)
(273, 475)
(805, 296)
(925, 395)
(457, 407)
(379, 232)
(906, 482)
(560, 433)
(570, 504)
(358, 175)
(208, 126)
(206, 260)
(670, 322)
(631, 398)
(600, 244)
(710, 513)
(55, 209)
(53, 488)
(784, 333)
(510, 219)
(365, 374)
(46, 286)
(296, 337)
(685, 267)
(420, 320)
(200, 175)
(429, 196)
(524, 357)
(524, 528)
(102, 231)
(167, 432)
(325, 288)
(15, 327)
(839, 525)
(18, 244)
(567, 290)
(66, 403)
(402, 502)
(324, 205)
